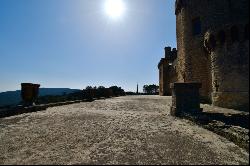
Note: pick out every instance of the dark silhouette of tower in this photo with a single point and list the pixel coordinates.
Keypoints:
(137, 89)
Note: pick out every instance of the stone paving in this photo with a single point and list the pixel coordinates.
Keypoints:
(123, 130)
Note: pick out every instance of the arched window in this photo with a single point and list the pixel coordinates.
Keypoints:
(234, 34)
(221, 37)
(196, 26)
(247, 32)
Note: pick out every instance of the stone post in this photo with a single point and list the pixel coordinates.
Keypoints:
(29, 93)
(186, 98)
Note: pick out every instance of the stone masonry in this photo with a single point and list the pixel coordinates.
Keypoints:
(167, 71)
(213, 49)
(186, 98)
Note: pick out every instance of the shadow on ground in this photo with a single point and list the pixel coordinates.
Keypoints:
(241, 120)
(234, 127)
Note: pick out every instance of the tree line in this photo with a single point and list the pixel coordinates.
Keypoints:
(151, 89)
(147, 90)
(89, 94)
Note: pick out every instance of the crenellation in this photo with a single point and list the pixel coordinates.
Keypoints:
(211, 37)
(167, 71)
(224, 36)
(179, 4)
(170, 54)
(213, 49)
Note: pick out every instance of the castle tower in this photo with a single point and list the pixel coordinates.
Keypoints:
(167, 73)
(212, 43)
(137, 89)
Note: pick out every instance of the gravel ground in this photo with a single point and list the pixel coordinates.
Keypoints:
(123, 130)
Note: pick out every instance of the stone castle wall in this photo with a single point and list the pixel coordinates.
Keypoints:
(162, 77)
(229, 65)
(167, 71)
(220, 70)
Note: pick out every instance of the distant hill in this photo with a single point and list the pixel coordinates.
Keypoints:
(14, 97)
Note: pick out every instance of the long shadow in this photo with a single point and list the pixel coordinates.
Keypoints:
(241, 120)
(207, 120)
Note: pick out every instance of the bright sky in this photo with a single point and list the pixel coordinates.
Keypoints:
(75, 43)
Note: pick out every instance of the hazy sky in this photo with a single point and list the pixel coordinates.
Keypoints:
(74, 43)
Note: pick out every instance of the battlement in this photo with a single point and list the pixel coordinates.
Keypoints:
(162, 61)
(213, 48)
(170, 54)
(226, 35)
(167, 71)
(225, 11)
(179, 4)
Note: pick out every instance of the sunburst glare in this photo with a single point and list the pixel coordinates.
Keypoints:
(114, 8)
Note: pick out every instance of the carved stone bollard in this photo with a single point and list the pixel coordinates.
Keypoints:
(186, 98)
(29, 93)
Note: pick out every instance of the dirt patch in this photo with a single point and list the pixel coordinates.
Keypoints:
(123, 130)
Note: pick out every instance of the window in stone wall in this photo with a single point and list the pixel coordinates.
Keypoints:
(247, 32)
(234, 34)
(221, 37)
(196, 26)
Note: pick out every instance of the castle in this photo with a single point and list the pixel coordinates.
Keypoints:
(167, 71)
(213, 49)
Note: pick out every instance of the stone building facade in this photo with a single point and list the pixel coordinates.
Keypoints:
(213, 49)
(167, 71)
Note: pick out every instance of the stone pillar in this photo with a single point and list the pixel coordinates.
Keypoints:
(29, 93)
(36, 90)
(186, 98)
(163, 72)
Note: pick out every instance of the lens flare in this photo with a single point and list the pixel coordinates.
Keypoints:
(114, 8)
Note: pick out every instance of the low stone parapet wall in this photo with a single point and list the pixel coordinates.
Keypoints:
(22, 109)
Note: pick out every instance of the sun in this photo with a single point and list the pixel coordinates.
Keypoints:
(114, 8)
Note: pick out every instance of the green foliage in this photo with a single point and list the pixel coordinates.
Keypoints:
(117, 91)
(151, 89)
(131, 93)
(89, 93)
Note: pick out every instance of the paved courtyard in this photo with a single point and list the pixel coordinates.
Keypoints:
(123, 130)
